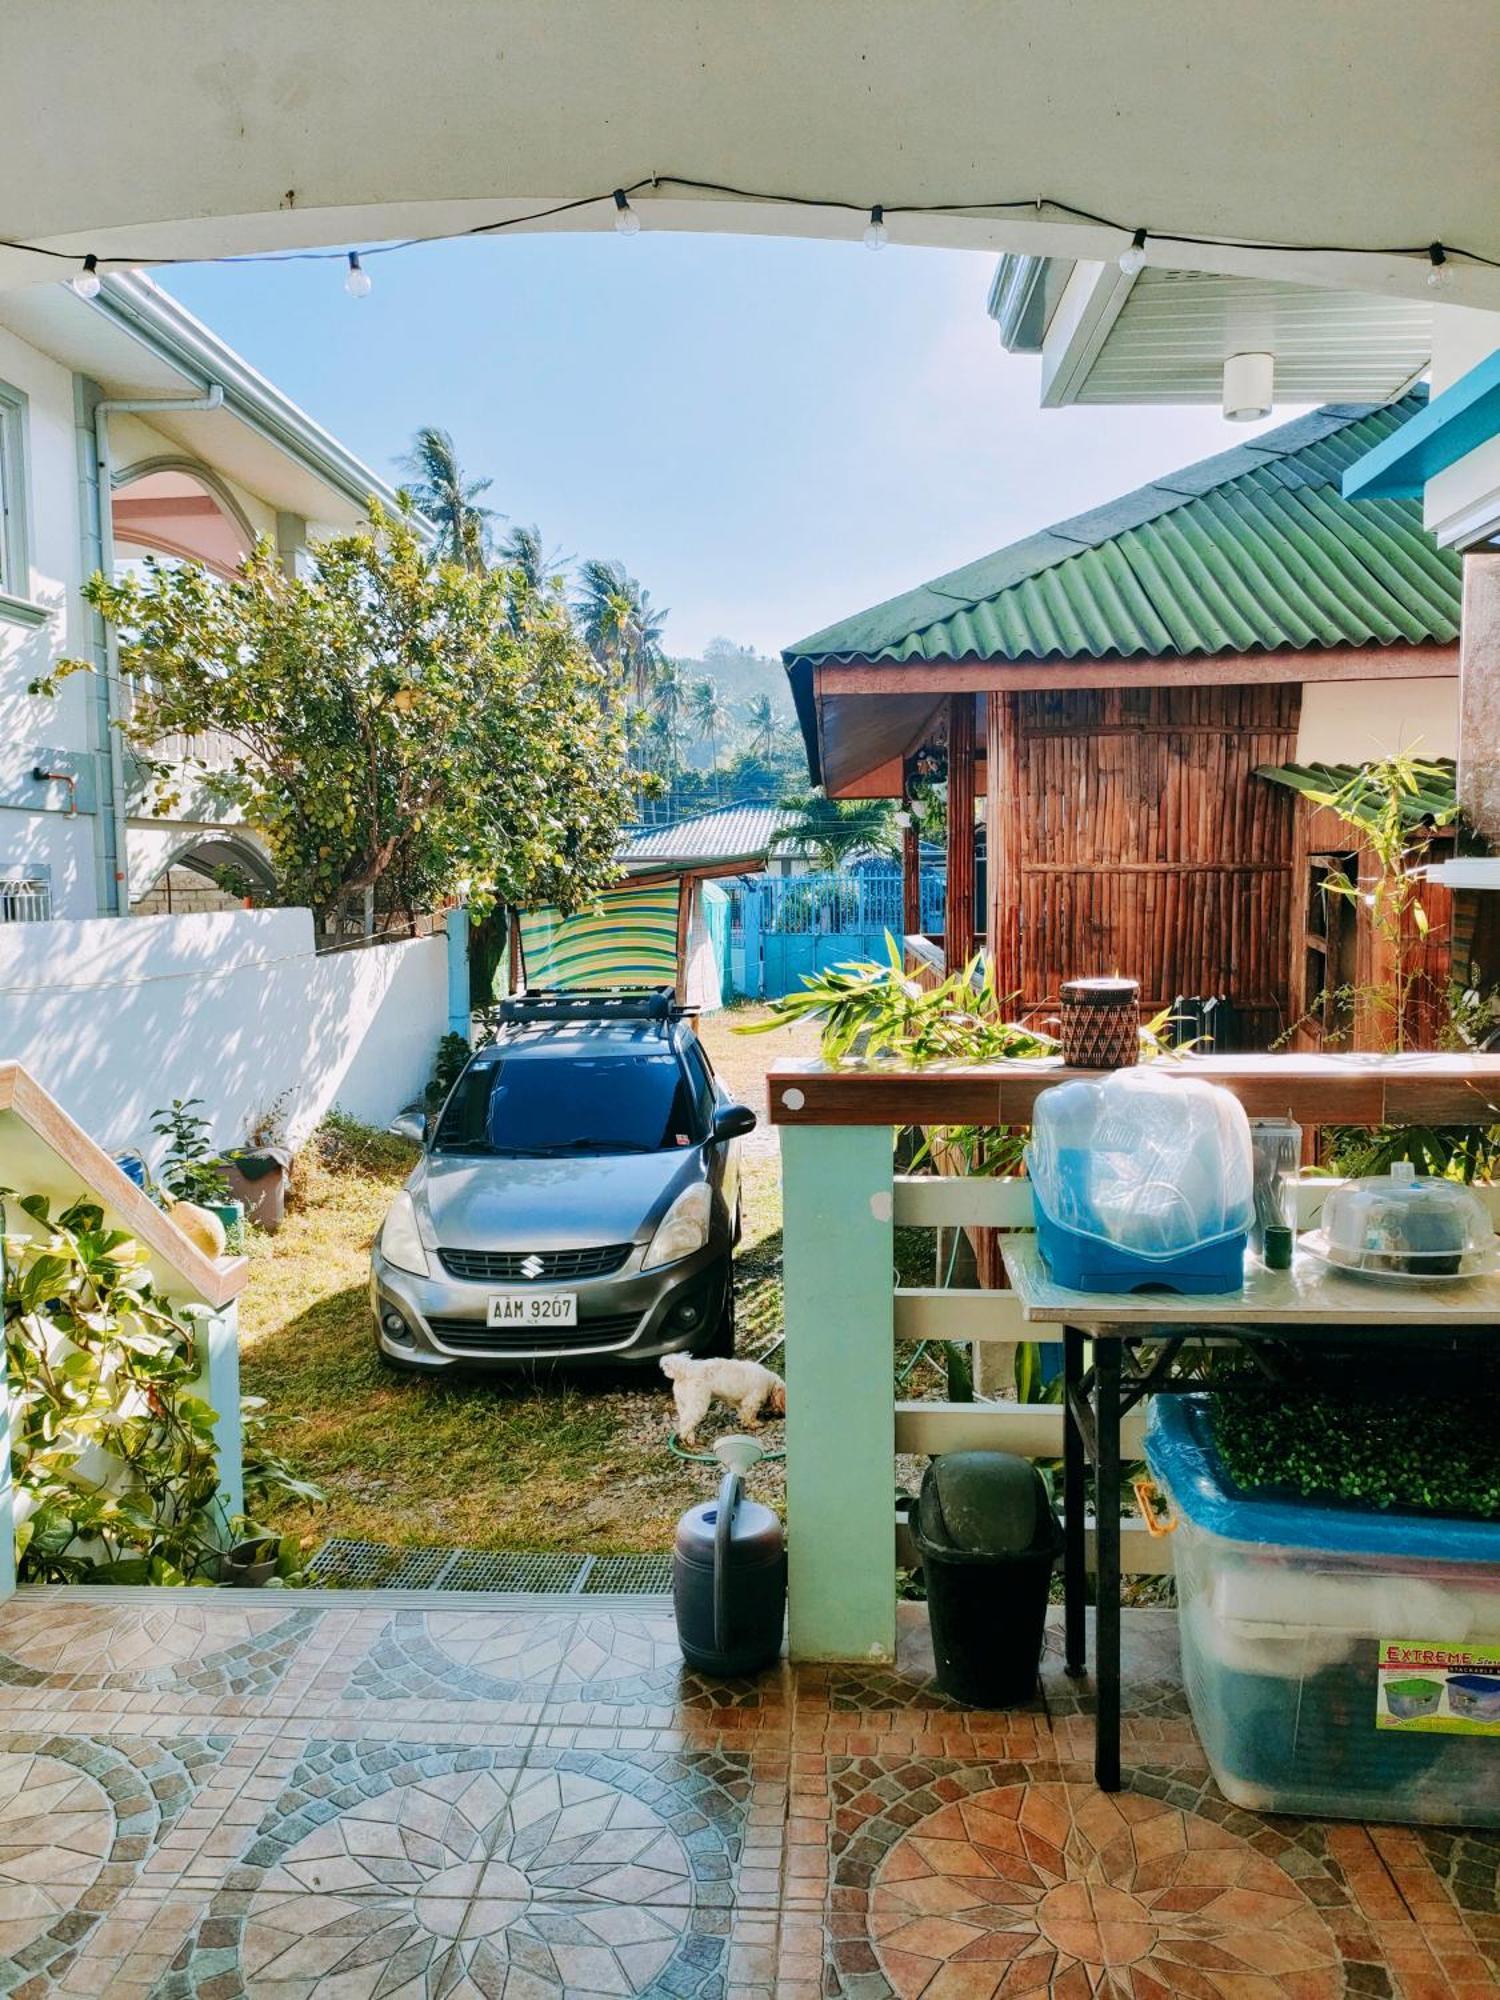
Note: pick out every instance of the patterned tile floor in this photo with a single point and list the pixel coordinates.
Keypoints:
(205, 1796)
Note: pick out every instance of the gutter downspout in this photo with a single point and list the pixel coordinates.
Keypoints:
(117, 889)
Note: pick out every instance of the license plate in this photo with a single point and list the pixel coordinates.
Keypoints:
(533, 1309)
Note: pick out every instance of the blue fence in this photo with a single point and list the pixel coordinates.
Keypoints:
(783, 927)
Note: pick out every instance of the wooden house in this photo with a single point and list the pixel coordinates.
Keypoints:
(1112, 689)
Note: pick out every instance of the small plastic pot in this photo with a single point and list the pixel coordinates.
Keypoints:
(250, 1564)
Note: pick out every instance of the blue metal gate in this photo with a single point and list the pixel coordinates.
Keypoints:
(783, 928)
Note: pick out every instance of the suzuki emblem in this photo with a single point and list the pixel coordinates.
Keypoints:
(532, 1266)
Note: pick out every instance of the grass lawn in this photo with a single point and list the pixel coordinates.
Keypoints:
(568, 1462)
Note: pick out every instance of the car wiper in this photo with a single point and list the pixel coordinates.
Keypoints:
(598, 1145)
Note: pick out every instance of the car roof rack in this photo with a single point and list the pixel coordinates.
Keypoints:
(539, 1005)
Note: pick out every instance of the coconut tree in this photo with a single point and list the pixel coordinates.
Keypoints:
(621, 627)
(668, 699)
(448, 499)
(708, 715)
(763, 726)
(524, 553)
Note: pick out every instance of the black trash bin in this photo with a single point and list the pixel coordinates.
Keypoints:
(990, 1542)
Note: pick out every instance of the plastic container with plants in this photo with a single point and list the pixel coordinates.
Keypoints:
(1337, 1555)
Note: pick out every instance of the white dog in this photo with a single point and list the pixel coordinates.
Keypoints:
(746, 1384)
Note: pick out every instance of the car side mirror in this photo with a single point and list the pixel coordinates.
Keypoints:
(409, 1125)
(734, 1121)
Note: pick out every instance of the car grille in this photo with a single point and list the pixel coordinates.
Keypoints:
(473, 1333)
(597, 1262)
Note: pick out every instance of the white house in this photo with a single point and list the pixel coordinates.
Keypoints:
(127, 427)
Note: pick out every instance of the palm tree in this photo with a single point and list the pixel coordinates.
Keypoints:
(448, 499)
(764, 726)
(668, 696)
(524, 552)
(709, 715)
(621, 627)
(833, 830)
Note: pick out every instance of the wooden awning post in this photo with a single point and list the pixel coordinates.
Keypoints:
(958, 922)
(911, 878)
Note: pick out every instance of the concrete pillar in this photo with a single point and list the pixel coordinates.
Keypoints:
(457, 923)
(218, 1344)
(1479, 696)
(840, 1405)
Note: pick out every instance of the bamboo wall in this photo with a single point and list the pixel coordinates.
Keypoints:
(1128, 833)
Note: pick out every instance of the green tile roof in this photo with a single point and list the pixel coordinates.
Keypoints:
(1436, 793)
(1248, 551)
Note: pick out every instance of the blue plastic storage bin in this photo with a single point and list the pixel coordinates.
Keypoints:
(1087, 1263)
(1286, 1609)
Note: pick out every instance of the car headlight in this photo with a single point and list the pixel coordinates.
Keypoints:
(400, 1243)
(683, 1229)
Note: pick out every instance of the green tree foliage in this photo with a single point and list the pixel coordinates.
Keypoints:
(395, 731)
(449, 500)
(835, 830)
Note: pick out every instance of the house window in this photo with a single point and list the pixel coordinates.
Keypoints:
(25, 895)
(15, 578)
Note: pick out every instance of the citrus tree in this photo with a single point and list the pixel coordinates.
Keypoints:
(400, 723)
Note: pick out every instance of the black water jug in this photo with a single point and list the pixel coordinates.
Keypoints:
(729, 1582)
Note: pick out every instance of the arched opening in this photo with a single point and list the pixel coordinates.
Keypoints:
(171, 507)
(192, 878)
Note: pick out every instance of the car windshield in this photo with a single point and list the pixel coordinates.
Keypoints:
(580, 1104)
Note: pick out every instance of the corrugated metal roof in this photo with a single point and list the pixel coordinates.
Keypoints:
(729, 833)
(1436, 793)
(1247, 551)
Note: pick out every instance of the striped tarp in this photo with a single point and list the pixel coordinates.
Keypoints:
(628, 938)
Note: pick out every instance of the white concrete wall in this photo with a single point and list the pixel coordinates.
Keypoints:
(1356, 722)
(1462, 503)
(117, 1018)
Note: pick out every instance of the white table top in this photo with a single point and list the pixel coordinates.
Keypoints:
(1311, 1293)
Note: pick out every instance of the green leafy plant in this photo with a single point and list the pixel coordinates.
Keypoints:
(871, 1012)
(113, 1454)
(452, 1059)
(190, 1169)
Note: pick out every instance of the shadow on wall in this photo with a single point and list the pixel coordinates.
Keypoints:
(116, 1018)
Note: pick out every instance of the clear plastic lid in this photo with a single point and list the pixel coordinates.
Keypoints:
(1146, 1159)
(1403, 1222)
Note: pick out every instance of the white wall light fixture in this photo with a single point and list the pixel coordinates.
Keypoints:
(1248, 380)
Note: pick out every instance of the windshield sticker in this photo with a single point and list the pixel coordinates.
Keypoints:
(1445, 1690)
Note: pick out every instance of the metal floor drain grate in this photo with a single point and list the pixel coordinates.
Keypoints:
(377, 1566)
(351, 1565)
(630, 1576)
(483, 1569)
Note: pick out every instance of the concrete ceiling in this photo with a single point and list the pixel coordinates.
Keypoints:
(173, 129)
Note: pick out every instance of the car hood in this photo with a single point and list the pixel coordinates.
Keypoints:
(469, 1203)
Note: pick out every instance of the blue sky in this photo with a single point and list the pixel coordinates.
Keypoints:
(770, 434)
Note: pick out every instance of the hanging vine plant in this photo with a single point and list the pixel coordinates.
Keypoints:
(113, 1454)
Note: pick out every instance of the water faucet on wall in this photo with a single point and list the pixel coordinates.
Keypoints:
(68, 778)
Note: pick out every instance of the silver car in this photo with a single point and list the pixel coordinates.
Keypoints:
(577, 1197)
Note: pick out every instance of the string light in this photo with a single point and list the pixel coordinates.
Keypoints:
(1439, 256)
(357, 280)
(1133, 260)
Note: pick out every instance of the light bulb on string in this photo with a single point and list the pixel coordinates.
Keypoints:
(87, 281)
(1440, 277)
(1133, 260)
(627, 222)
(357, 280)
(876, 233)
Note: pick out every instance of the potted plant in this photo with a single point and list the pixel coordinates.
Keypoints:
(190, 1169)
